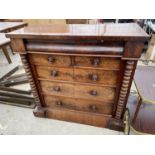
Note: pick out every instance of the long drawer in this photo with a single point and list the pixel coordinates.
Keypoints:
(78, 75)
(78, 104)
(90, 92)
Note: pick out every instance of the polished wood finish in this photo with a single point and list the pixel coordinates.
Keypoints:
(77, 91)
(51, 60)
(94, 92)
(81, 73)
(79, 104)
(58, 89)
(54, 73)
(112, 32)
(31, 80)
(96, 76)
(126, 83)
(98, 62)
(89, 118)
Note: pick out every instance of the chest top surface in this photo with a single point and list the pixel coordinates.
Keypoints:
(122, 32)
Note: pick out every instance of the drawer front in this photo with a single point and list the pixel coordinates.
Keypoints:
(58, 89)
(95, 92)
(96, 76)
(102, 62)
(53, 60)
(78, 104)
(54, 73)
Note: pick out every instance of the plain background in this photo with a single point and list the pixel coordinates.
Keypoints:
(72, 9)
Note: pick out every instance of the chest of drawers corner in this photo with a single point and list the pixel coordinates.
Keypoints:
(80, 73)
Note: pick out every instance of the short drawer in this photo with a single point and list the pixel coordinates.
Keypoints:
(58, 89)
(98, 93)
(52, 60)
(54, 73)
(78, 104)
(102, 62)
(96, 76)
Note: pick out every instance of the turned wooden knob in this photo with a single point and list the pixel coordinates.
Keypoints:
(95, 61)
(59, 103)
(57, 89)
(93, 77)
(51, 59)
(54, 73)
(93, 107)
(93, 92)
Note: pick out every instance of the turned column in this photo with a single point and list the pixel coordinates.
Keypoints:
(31, 80)
(123, 95)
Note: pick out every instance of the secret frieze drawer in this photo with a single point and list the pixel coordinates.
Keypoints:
(77, 61)
(78, 104)
(78, 75)
(90, 92)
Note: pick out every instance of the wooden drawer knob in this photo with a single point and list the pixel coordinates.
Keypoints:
(95, 62)
(57, 89)
(93, 92)
(54, 73)
(51, 59)
(59, 103)
(93, 107)
(93, 77)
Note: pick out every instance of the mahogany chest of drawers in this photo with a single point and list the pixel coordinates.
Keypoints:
(80, 73)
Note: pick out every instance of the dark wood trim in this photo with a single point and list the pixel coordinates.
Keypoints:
(31, 79)
(119, 83)
(18, 46)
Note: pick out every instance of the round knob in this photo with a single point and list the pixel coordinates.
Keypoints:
(93, 92)
(93, 107)
(102, 41)
(95, 61)
(56, 88)
(93, 77)
(54, 73)
(59, 103)
(51, 59)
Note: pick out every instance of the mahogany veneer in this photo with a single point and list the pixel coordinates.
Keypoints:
(81, 73)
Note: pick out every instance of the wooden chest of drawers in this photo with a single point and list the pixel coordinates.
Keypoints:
(81, 73)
